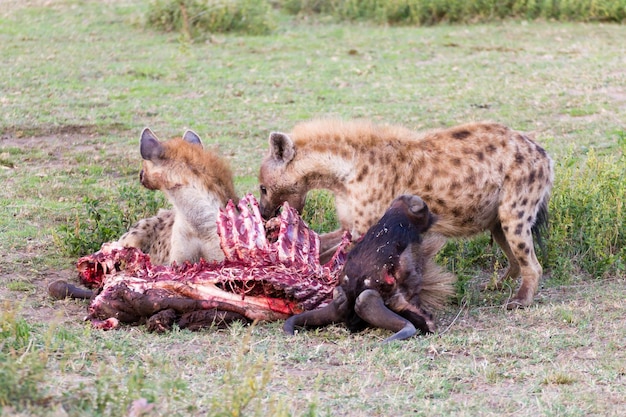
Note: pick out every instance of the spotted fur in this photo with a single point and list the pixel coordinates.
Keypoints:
(475, 177)
(197, 183)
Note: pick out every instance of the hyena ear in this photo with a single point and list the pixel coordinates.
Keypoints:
(192, 137)
(149, 145)
(282, 148)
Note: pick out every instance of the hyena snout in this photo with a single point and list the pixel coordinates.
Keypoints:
(145, 180)
(268, 210)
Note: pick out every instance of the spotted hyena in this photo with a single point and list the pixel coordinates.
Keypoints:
(475, 177)
(197, 183)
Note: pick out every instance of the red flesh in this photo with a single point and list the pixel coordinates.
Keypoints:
(259, 279)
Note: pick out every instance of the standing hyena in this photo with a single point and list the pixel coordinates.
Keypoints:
(197, 183)
(475, 177)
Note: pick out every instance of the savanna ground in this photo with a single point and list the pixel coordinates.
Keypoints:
(80, 79)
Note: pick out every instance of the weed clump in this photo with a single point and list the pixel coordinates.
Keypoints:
(588, 223)
(106, 220)
(319, 211)
(196, 18)
(245, 380)
(428, 12)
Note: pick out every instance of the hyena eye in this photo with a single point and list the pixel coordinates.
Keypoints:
(263, 190)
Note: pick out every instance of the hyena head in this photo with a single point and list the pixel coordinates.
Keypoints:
(166, 164)
(279, 180)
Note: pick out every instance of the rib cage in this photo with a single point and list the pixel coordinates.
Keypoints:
(270, 271)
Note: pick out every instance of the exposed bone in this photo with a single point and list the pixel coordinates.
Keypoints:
(260, 278)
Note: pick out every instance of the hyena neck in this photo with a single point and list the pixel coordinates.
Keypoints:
(198, 207)
(328, 171)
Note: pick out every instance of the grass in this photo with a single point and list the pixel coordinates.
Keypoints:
(106, 220)
(469, 370)
(587, 216)
(428, 12)
(198, 18)
(82, 78)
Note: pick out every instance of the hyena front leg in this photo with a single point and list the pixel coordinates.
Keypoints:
(329, 242)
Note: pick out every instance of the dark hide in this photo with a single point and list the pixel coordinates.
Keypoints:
(381, 280)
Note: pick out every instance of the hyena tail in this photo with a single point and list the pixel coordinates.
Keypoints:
(541, 226)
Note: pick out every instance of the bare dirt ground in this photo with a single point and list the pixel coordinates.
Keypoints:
(50, 155)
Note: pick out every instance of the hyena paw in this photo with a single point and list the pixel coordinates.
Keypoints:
(519, 301)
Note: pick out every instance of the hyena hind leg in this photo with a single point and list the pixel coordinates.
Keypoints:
(520, 242)
(152, 236)
(513, 270)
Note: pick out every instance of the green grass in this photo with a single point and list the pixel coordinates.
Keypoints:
(197, 18)
(319, 211)
(427, 12)
(106, 221)
(82, 79)
(534, 362)
(588, 221)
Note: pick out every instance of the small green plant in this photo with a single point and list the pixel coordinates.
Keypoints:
(20, 285)
(566, 315)
(319, 211)
(588, 224)
(558, 378)
(106, 220)
(465, 257)
(22, 364)
(621, 140)
(196, 18)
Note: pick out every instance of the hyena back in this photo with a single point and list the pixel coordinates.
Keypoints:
(197, 183)
(474, 177)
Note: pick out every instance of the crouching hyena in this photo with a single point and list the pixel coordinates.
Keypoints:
(197, 183)
(475, 177)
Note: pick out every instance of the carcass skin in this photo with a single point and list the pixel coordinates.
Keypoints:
(389, 277)
(270, 272)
